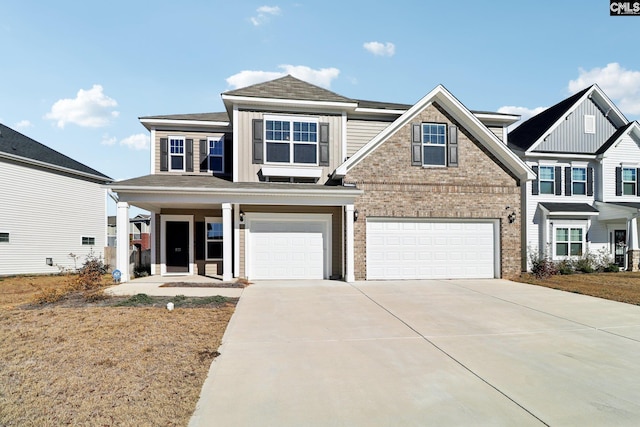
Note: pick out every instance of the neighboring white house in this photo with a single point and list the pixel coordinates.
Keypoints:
(586, 198)
(51, 206)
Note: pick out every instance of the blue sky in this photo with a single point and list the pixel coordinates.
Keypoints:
(77, 75)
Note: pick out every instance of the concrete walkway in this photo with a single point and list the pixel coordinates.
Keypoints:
(417, 353)
(151, 285)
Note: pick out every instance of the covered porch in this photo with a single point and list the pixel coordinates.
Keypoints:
(626, 240)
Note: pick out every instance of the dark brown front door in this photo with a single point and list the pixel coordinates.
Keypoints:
(620, 244)
(177, 246)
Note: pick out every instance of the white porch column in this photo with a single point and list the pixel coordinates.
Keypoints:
(632, 234)
(349, 255)
(122, 233)
(153, 239)
(227, 247)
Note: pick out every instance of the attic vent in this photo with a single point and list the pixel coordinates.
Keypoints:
(589, 123)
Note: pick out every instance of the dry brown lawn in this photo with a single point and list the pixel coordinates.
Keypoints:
(623, 286)
(102, 365)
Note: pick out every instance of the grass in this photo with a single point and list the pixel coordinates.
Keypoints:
(97, 363)
(622, 287)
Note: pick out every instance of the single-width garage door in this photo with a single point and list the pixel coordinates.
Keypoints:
(295, 249)
(417, 249)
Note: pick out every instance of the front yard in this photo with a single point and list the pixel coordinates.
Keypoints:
(622, 287)
(79, 363)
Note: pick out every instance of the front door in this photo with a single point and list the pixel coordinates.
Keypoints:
(620, 245)
(177, 246)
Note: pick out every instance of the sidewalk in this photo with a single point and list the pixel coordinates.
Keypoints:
(151, 285)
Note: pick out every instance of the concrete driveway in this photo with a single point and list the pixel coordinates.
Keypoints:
(421, 353)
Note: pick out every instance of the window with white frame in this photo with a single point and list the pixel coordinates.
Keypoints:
(292, 140)
(569, 241)
(4, 237)
(547, 179)
(88, 241)
(434, 144)
(579, 180)
(213, 238)
(216, 154)
(629, 181)
(176, 153)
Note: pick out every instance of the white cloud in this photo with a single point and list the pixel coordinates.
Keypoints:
(23, 124)
(107, 140)
(90, 108)
(524, 112)
(620, 84)
(380, 49)
(264, 14)
(139, 141)
(321, 77)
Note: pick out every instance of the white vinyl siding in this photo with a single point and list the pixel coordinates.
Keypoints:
(624, 152)
(48, 213)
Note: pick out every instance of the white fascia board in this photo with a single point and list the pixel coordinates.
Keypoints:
(45, 165)
(634, 128)
(569, 214)
(380, 111)
(251, 101)
(610, 106)
(609, 211)
(238, 191)
(174, 122)
(444, 98)
(562, 156)
(502, 119)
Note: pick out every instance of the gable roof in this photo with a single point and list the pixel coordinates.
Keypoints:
(613, 139)
(531, 133)
(462, 115)
(288, 87)
(16, 146)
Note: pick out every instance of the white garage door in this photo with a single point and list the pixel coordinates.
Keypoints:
(287, 249)
(398, 249)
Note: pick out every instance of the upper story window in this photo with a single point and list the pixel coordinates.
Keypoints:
(434, 144)
(546, 179)
(291, 140)
(176, 153)
(216, 154)
(629, 181)
(579, 181)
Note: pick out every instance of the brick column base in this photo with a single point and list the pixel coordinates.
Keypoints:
(633, 258)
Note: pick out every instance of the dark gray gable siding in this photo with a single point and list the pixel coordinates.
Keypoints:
(570, 137)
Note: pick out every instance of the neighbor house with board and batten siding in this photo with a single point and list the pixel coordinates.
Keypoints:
(293, 181)
(586, 197)
(51, 206)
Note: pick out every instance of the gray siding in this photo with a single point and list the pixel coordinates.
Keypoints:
(196, 136)
(46, 215)
(359, 132)
(570, 137)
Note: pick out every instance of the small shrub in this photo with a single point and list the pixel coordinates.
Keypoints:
(611, 268)
(584, 264)
(565, 267)
(50, 296)
(91, 273)
(541, 266)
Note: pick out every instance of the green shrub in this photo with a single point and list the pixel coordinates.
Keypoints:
(584, 264)
(138, 299)
(565, 267)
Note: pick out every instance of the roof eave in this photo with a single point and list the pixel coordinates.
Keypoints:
(80, 174)
(270, 102)
(152, 123)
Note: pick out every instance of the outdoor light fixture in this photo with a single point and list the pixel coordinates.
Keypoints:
(49, 261)
(512, 216)
(355, 215)
(241, 217)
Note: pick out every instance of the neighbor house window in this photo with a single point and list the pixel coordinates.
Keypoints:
(569, 241)
(214, 238)
(546, 179)
(579, 181)
(88, 241)
(434, 144)
(176, 153)
(293, 140)
(4, 237)
(216, 155)
(629, 181)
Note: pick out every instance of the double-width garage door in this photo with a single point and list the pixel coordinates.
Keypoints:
(421, 249)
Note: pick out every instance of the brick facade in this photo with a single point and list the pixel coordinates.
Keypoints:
(479, 188)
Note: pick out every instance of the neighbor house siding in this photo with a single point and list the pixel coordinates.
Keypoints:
(359, 132)
(570, 137)
(479, 188)
(248, 171)
(46, 215)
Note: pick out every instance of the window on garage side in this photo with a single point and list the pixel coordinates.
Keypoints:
(213, 238)
(291, 140)
(434, 144)
(88, 241)
(569, 241)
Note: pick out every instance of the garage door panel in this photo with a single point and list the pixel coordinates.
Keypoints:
(422, 249)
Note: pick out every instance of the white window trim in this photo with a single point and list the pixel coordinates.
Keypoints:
(569, 225)
(540, 180)
(425, 144)
(8, 233)
(87, 237)
(207, 220)
(295, 172)
(586, 179)
(589, 124)
(184, 149)
(634, 182)
(291, 142)
(209, 155)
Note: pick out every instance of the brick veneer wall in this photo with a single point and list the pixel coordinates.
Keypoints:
(480, 187)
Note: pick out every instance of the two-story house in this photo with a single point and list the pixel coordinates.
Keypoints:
(586, 197)
(294, 181)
